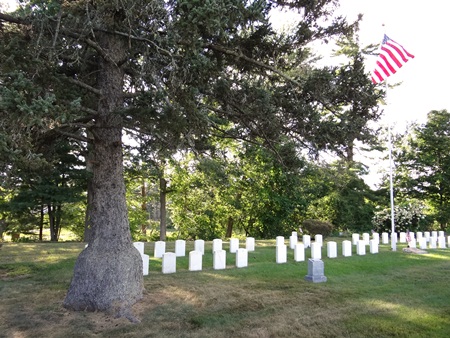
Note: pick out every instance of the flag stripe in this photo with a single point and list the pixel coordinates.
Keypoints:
(389, 64)
(388, 53)
(391, 58)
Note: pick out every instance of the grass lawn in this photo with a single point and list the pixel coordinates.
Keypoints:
(389, 294)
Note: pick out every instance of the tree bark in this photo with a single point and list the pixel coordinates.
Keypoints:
(41, 223)
(108, 273)
(144, 206)
(87, 219)
(51, 221)
(229, 227)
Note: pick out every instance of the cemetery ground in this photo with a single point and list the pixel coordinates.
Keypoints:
(376, 295)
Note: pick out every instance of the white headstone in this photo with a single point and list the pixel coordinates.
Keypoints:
(160, 249)
(448, 241)
(361, 248)
(402, 237)
(292, 241)
(419, 236)
(299, 252)
(316, 251)
(331, 249)
(241, 258)
(434, 234)
(279, 240)
(306, 240)
(385, 238)
(199, 245)
(219, 260)
(180, 248)
(373, 246)
(145, 264)
(216, 245)
(427, 235)
(423, 243)
(441, 242)
(195, 261)
(234, 245)
(250, 244)
(281, 253)
(412, 243)
(169, 262)
(346, 248)
(433, 242)
(318, 239)
(355, 239)
(366, 237)
(376, 237)
(139, 246)
(441, 233)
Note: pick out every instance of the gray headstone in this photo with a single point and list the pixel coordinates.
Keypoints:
(315, 271)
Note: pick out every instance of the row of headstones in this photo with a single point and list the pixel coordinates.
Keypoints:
(427, 239)
(196, 256)
(316, 248)
(434, 239)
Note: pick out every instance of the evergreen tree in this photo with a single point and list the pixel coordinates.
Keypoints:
(183, 69)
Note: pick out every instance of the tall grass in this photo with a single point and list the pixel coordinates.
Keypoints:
(389, 294)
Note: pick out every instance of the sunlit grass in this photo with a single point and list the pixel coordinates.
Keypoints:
(377, 295)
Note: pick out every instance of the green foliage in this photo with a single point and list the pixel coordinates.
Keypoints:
(424, 165)
(345, 200)
(317, 227)
(408, 215)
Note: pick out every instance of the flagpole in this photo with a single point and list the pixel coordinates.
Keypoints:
(391, 183)
(392, 56)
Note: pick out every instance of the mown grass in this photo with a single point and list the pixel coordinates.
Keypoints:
(389, 294)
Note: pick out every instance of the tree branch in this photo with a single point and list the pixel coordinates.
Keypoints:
(85, 86)
(239, 55)
(73, 136)
(12, 19)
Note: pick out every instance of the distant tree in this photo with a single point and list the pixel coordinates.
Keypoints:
(423, 165)
(45, 191)
(346, 201)
(409, 214)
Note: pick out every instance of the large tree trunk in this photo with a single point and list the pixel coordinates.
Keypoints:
(90, 192)
(108, 273)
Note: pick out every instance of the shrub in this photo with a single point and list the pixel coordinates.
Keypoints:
(317, 227)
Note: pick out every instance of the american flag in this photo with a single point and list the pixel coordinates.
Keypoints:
(408, 236)
(391, 58)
